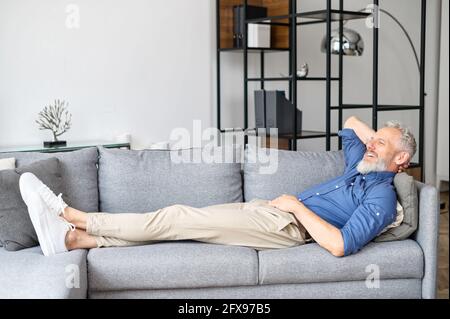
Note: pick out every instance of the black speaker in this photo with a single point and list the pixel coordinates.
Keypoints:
(273, 110)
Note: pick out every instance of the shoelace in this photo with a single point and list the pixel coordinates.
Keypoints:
(49, 198)
(61, 209)
(59, 206)
(71, 226)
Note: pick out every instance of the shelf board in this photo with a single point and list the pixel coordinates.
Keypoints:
(398, 107)
(289, 79)
(307, 134)
(232, 130)
(269, 79)
(352, 106)
(317, 79)
(269, 19)
(320, 15)
(254, 50)
(381, 107)
(335, 15)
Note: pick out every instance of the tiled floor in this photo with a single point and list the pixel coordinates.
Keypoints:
(443, 251)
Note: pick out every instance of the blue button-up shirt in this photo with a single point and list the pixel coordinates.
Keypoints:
(361, 206)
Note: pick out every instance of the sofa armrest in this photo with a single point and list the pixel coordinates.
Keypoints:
(28, 274)
(427, 235)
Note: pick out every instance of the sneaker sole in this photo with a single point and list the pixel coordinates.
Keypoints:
(39, 222)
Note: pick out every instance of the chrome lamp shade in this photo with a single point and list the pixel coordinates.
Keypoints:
(352, 43)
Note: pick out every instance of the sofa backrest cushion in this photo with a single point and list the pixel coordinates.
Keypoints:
(272, 173)
(145, 181)
(79, 173)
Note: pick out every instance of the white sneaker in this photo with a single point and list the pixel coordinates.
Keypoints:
(55, 203)
(51, 229)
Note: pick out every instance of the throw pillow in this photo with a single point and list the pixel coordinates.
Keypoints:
(78, 170)
(7, 163)
(16, 230)
(398, 220)
(408, 198)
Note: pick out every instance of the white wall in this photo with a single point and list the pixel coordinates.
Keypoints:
(137, 66)
(147, 66)
(398, 73)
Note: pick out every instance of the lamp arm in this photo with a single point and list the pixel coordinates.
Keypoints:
(404, 31)
(406, 34)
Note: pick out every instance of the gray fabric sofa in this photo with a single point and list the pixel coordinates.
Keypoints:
(141, 181)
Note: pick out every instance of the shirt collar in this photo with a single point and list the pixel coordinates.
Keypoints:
(379, 175)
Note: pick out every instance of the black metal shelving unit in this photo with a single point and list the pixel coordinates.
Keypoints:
(327, 17)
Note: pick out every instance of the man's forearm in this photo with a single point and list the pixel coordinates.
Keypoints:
(325, 234)
(362, 130)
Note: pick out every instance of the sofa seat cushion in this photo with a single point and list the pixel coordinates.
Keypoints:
(311, 263)
(171, 265)
(28, 274)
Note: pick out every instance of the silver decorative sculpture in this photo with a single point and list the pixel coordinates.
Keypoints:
(57, 119)
(303, 71)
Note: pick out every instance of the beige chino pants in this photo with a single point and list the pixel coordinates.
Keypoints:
(255, 224)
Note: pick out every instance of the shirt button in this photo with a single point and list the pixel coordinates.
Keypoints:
(352, 184)
(337, 186)
(299, 199)
(378, 214)
(317, 194)
(364, 178)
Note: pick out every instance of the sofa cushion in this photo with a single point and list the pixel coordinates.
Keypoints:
(406, 189)
(398, 219)
(171, 265)
(310, 263)
(16, 230)
(388, 289)
(289, 172)
(79, 172)
(29, 274)
(7, 163)
(144, 181)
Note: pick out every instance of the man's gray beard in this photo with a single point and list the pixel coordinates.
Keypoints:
(366, 168)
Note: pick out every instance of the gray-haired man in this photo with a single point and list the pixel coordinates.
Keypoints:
(341, 215)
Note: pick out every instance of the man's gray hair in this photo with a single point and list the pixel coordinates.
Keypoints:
(408, 142)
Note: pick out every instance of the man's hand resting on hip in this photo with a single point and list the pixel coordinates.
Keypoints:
(287, 203)
(325, 234)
